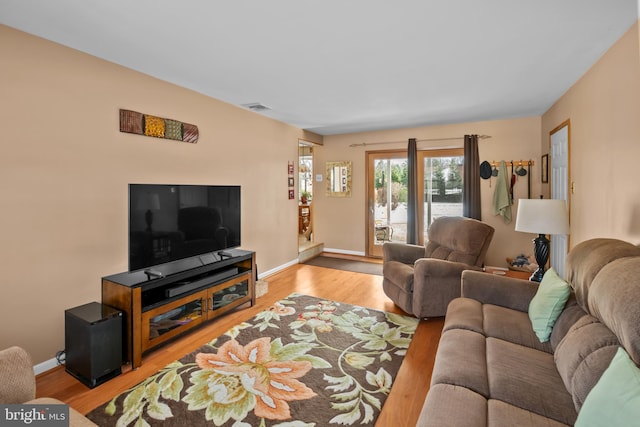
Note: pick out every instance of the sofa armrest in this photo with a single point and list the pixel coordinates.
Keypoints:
(498, 290)
(402, 252)
(17, 379)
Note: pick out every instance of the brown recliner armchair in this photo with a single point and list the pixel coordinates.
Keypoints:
(421, 280)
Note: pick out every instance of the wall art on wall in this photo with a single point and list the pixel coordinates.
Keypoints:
(338, 179)
(158, 127)
(291, 182)
(544, 164)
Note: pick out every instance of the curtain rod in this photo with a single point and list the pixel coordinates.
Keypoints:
(365, 144)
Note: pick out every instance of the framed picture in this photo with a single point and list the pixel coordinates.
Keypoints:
(338, 179)
(291, 183)
(544, 165)
(292, 194)
(290, 168)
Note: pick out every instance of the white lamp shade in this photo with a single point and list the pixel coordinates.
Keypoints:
(542, 216)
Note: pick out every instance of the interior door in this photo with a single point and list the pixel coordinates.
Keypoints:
(559, 181)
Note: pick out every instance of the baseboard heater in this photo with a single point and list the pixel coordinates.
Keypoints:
(186, 287)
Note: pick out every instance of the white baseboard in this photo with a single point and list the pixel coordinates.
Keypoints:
(45, 366)
(277, 269)
(344, 252)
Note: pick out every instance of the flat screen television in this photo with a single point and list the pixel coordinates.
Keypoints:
(172, 222)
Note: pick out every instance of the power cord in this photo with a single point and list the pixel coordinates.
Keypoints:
(61, 357)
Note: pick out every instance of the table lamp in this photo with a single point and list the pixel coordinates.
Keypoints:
(542, 216)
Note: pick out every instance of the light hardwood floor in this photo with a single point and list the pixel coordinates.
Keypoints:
(403, 405)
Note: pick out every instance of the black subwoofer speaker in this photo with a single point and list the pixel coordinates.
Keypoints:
(93, 343)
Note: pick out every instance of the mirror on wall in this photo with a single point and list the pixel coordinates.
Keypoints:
(338, 179)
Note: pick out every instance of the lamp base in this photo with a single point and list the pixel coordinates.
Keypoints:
(537, 275)
(541, 251)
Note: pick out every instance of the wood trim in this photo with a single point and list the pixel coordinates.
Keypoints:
(136, 323)
(119, 297)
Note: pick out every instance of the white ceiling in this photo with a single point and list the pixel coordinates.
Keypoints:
(350, 65)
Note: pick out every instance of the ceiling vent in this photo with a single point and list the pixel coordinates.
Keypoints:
(257, 107)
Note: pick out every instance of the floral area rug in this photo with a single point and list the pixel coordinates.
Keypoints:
(303, 362)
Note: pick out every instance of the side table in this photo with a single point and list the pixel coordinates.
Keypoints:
(509, 273)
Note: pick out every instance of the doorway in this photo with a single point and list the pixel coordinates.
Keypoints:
(559, 181)
(439, 193)
(305, 195)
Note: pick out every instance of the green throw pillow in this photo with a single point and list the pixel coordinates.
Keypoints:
(615, 399)
(547, 304)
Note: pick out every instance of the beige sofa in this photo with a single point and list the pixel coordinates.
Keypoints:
(18, 384)
(492, 370)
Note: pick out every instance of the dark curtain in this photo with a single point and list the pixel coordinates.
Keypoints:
(471, 179)
(412, 192)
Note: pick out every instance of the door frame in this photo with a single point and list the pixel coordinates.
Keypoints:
(313, 146)
(373, 250)
(560, 186)
(370, 196)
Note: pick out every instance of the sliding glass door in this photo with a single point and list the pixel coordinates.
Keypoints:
(386, 199)
(442, 185)
(439, 193)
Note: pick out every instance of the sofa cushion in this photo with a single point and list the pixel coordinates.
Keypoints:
(461, 361)
(464, 313)
(452, 406)
(547, 304)
(569, 316)
(511, 325)
(586, 260)
(493, 321)
(583, 355)
(615, 302)
(527, 378)
(615, 399)
(502, 414)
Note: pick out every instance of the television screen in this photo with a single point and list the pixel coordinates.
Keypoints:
(171, 222)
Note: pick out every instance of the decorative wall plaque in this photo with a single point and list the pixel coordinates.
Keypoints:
(158, 127)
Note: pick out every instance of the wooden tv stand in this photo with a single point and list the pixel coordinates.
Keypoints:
(175, 297)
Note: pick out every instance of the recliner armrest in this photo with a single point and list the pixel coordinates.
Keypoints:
(498, 290)
(436, 284)
(402, 252)
(434, 267)
(17, 379)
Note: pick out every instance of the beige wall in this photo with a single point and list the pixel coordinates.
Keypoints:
(604, 110)
(340, 222)
(65, 167)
